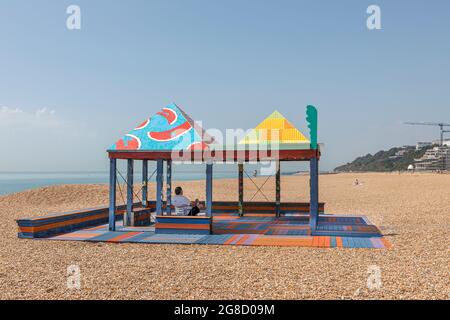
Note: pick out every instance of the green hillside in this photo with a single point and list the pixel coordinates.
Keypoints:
(394, 159)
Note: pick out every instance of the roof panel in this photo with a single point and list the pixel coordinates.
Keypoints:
(275, 128)
(171, 129)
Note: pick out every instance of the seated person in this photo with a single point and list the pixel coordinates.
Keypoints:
(183, 206)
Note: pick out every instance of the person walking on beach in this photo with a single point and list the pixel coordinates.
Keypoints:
(183, 206)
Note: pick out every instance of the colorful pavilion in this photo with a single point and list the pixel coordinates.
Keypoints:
(172, 133)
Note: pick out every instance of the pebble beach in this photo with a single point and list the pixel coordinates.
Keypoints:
(411, 209)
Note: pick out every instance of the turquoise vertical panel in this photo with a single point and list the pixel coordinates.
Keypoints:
(311, 118)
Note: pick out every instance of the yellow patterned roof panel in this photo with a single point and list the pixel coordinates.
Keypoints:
(274, 128)
(272, 124)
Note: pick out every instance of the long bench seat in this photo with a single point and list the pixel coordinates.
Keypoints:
(221, 207)
(57, 223)
(183, 224)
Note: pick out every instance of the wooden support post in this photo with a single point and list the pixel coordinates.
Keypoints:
(278, 188)
(169, 187)
(112, 194)
(314, 194)
(130, 173)
(209, 189)
(144, 182)
(159, 186)
(241, 189)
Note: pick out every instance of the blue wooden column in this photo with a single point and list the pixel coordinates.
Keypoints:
(130, 167)
(278, 188)
(112, 194)
(159, 186)
(169, 187)
(314, 194)
(209, 188)
(144, 182)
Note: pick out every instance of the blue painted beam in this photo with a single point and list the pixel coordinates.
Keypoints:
(209, 189)
(314, 194)
(144, 182)
(278, 188)
(159, 186)
(112, 194)
(130, 167)
(169, 187)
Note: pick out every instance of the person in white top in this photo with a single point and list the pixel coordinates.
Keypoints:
(183, 206)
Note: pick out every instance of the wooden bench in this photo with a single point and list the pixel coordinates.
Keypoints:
(140, 216)
(183, 224)
(58, 223)
(232, 207)
(264, 207)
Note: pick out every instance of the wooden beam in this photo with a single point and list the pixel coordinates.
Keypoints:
(130, 175)
(278, 188)
(159, 186)
(209, 189)
(112, 194)
(144, 182)
(241, 189)
(169, 187)
(314, 194)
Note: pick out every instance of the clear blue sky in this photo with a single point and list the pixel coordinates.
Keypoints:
(65, 96)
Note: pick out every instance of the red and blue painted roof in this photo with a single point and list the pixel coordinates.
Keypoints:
(171, 129)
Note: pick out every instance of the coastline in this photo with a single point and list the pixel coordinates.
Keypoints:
(13, 182)
(37, 180)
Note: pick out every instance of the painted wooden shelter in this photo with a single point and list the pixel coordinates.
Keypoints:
(172, 134)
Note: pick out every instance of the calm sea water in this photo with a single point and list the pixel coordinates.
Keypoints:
(11, 182)
(20, 181)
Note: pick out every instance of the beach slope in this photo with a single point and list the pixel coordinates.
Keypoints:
(412, 210)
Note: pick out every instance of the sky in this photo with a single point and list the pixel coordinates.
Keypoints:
(67, 95)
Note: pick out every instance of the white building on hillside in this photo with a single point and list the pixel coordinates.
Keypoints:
(446, 142)
(436, 158)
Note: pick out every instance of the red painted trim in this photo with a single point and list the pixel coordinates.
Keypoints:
(285, 155)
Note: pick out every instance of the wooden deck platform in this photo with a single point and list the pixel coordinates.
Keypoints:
(339, 231)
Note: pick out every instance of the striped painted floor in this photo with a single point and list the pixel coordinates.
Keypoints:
(340, 232)
(226, 239)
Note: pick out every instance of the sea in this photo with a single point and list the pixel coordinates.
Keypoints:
(11, 182)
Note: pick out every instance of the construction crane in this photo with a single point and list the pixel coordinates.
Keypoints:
(440, 125)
